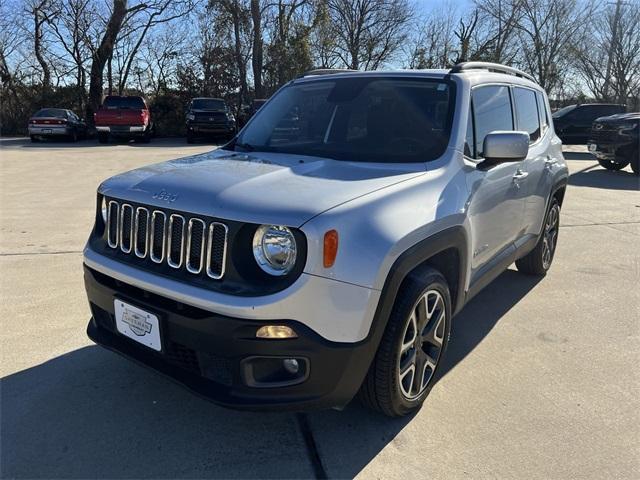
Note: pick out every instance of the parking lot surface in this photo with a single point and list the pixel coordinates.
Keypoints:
(541, 377)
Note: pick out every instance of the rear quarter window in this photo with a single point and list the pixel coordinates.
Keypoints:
(526, 107)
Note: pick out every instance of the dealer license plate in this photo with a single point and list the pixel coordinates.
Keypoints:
(138, 325)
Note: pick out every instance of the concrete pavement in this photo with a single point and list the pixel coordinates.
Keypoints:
(541, 379)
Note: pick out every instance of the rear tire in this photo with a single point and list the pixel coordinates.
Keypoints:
(538, 261)
(34, 139)
(611, 165)
(406, 364)
(73, 137)
(103, 138)
(190, 138)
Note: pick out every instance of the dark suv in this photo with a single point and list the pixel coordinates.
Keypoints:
(573, 123)
(615, 141)
(209, 117)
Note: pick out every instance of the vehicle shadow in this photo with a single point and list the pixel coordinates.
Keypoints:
(349, 440)
(91, 414)
(598, 177)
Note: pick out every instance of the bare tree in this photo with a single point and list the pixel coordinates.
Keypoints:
(547, 31)
(257, 51)
(369, 32)
(498, 23)
(102, 54)
(42, 12)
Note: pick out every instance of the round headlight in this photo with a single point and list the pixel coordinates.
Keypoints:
(274, 248)
(104, 210)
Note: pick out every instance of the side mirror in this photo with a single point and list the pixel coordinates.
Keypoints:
(499, 147)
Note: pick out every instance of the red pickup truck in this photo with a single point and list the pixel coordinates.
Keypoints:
(123, 116)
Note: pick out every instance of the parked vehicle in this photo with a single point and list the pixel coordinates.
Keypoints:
(124, 117)
(615, 141)
(293, 271)
(56, 122)
(573, 123)
(209, 117)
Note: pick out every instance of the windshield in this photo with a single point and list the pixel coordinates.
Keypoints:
(133, 103)
(208, 104)
(389, 120)
(563, 111)
(52, 112)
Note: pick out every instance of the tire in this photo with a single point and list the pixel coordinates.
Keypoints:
(34, 139)
(538, 261)
(146, 138)
(190, 138)
(103, 138)
(635, 162)
(73, 137)
(390, 386)
(611, 165)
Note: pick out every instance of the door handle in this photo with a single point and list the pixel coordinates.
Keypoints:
(520, 175)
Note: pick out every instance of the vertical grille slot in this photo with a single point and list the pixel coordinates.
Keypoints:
(175, 243)
(141, 232)
(113, 218)
(216, 250)
(126, 228)
(195, 245)
(158, 222)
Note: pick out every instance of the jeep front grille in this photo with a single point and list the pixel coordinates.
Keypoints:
(182, 242)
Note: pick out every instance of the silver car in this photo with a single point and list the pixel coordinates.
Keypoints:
(326, 249)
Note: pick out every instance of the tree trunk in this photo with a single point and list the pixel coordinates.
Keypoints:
(242, 68)
(257, 57)
(37, 47)
(102, 54)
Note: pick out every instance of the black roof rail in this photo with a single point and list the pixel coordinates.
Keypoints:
(491, 67)
(325, 71)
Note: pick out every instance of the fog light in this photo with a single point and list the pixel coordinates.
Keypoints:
(291, 365)
(276, 331)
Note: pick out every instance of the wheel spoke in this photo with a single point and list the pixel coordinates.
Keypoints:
(433, 333)
(421, 313)
(410, 334)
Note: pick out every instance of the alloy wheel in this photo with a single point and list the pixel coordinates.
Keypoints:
(550, 238)
(421, 344)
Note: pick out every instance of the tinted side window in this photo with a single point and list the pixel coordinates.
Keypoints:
(527, 112)
(492, 111)
(544, 115)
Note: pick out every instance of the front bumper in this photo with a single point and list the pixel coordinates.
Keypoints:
(615, 152)
(122, 129)
(211, 128)
(207, 352)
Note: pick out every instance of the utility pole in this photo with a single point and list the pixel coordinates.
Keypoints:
(612, 47)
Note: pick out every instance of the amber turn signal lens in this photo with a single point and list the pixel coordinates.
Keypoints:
(330, 248)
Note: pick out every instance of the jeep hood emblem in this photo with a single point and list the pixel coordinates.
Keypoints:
(165, 196)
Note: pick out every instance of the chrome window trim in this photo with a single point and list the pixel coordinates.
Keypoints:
(169, 234)
(190, 268)
(212, 227)
(136, 224)
(109, 242)
(153, 230)
(122, 208)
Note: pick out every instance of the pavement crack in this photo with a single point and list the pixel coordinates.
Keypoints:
(312, 449)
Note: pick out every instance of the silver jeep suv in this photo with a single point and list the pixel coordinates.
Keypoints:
(325, 250)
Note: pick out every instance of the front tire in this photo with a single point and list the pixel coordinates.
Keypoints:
(538, 261)
(635, 162)
(611, 165)
(103, 138)
(34, 139)
(417, 333)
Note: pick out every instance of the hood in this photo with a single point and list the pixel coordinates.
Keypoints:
(620, 117)
(256, 187)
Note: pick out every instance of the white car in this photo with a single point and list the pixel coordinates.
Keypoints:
(326, 249)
